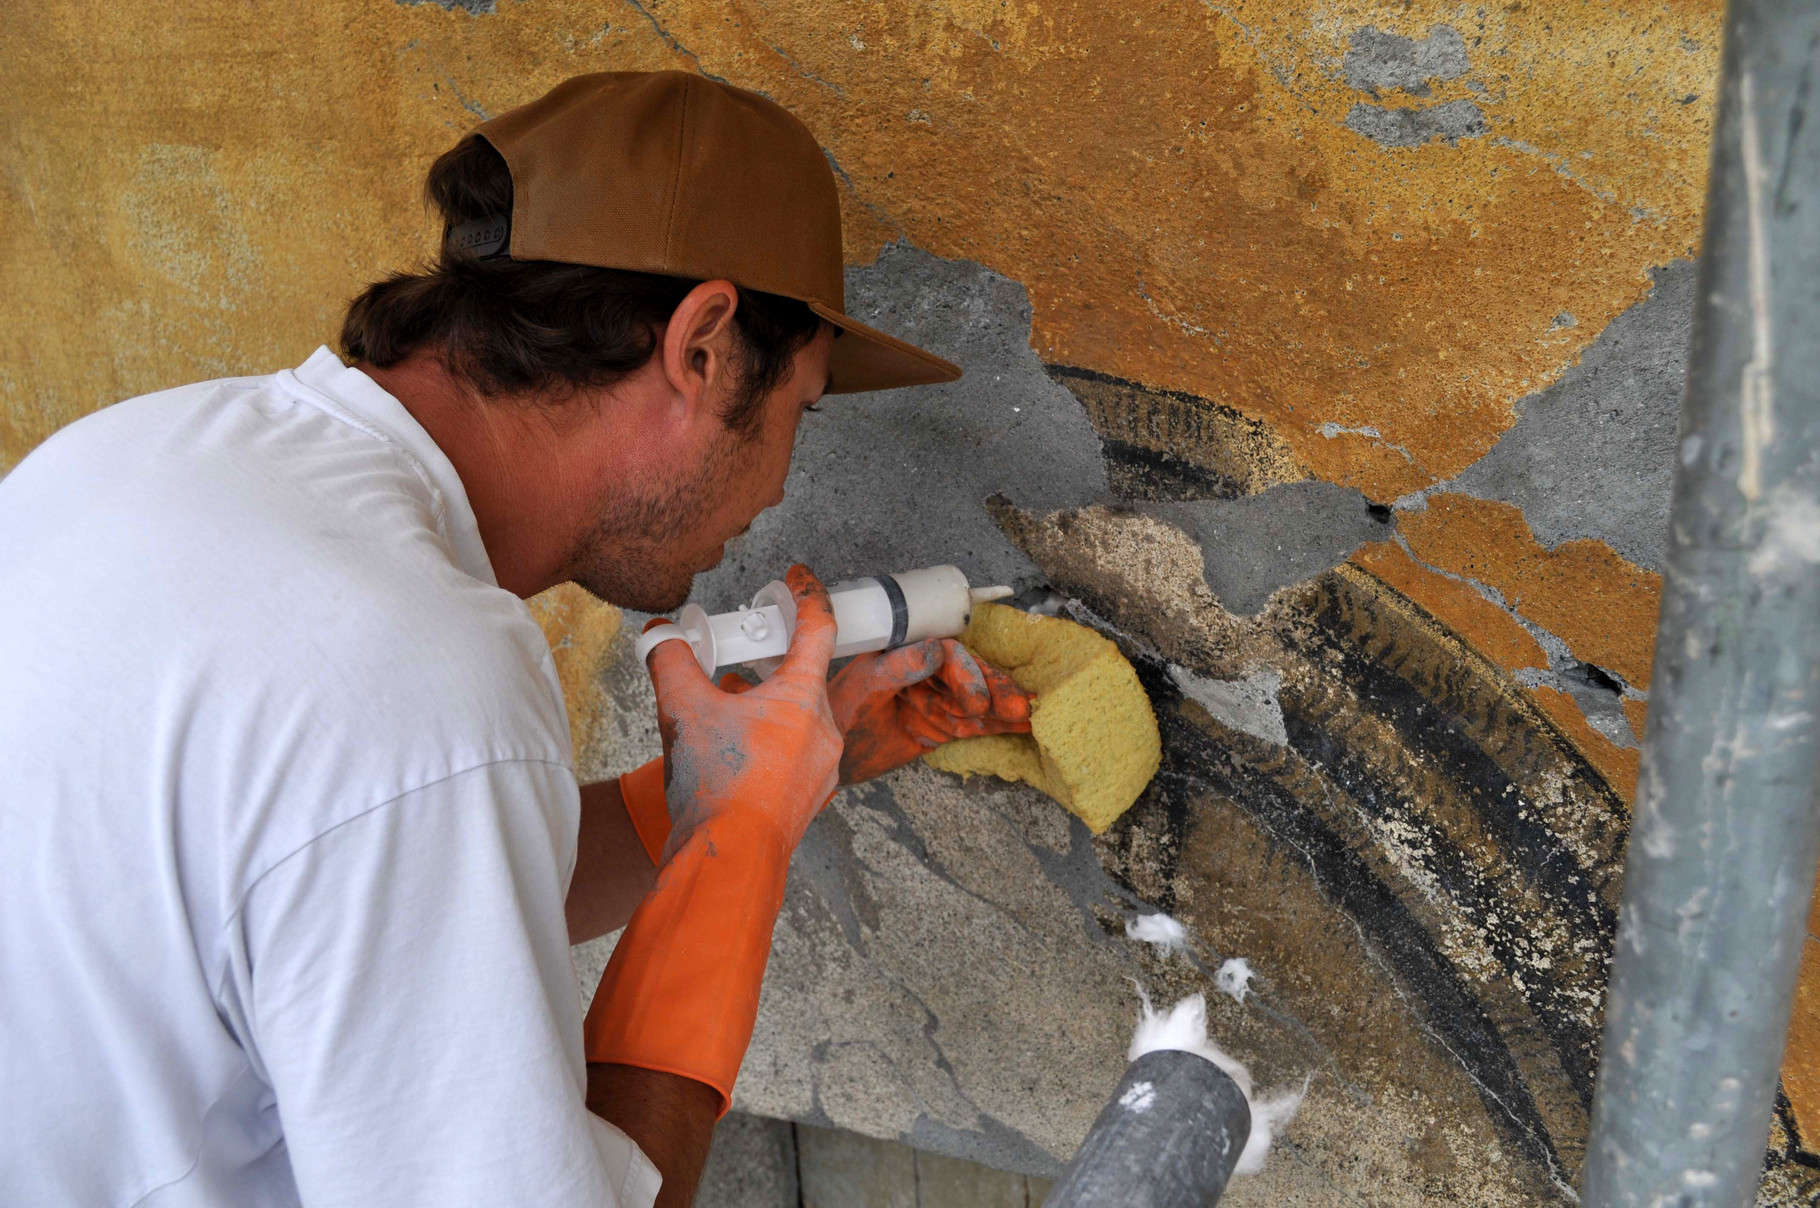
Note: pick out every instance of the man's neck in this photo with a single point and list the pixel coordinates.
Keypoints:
(510, 460)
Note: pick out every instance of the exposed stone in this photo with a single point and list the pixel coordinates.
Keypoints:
(752, 1164)
(1600, 698)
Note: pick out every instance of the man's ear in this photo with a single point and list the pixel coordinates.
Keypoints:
(698, 342)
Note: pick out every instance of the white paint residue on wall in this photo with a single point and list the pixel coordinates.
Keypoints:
(1183, 1027)
(1159, 929)
(1234, 978)
(1248, 705)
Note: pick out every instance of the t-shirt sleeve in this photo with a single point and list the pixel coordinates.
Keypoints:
(406, 984)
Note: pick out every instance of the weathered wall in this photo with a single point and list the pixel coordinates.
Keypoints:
(1326, 355)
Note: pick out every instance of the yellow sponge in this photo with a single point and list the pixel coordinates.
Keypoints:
(1093, 742)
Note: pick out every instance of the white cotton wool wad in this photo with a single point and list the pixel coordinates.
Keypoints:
(1166, 933)
(1184, 1027)
(1234, 978)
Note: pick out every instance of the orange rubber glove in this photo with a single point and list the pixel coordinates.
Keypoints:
(895, 705)
(890, 707)
(746, 772)
(642, 789)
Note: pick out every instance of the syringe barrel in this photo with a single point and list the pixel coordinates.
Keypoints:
(884, 611)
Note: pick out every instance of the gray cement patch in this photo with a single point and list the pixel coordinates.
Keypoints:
(1593, 454)
(1287, 534)
(1378, 62)
(1409, 127)
(897, 479)
(474, 8)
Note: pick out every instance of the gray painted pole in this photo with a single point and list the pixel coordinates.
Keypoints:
(1168, 1138)
(1723, 843)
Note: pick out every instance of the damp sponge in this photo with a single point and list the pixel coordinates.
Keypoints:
(1093, 742)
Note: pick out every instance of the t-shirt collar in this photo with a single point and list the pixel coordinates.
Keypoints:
(357, 399)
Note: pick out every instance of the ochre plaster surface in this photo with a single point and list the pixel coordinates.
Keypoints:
(1490, 629)
(1603, 607)
(1240, 284)
(581, 632)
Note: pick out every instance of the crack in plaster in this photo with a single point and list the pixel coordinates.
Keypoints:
(670, 41)
(1332, 430)
(853, 190)
(804, 72)
(1559, 163)
(903, 831)
(1580, 681)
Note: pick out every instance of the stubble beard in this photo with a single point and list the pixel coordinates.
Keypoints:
(631, 556)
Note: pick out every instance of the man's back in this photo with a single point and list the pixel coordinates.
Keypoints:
(260, 699)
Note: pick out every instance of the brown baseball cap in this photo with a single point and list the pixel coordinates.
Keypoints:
(667, 172)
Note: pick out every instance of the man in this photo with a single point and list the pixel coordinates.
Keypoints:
(291, 848)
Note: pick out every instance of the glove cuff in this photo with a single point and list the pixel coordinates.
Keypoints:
(642, 789)
(680, 994)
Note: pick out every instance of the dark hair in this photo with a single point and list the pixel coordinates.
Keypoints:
(516, 327)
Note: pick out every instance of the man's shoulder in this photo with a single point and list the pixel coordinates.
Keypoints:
(236, 530)
(455, 646)
(208, 453)
(146, 416)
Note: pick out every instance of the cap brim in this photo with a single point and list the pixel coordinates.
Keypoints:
(867, 359)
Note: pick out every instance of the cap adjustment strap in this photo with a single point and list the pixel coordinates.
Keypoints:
(482, 238)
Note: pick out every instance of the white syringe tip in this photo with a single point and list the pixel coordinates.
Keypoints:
(982, 595)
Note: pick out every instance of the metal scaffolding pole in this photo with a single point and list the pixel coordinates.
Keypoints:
(1723, 842)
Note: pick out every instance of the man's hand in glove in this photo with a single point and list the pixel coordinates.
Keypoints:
(773, 746)
(895, 705)
(747, 773)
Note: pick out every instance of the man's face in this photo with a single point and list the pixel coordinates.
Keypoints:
(647, 547)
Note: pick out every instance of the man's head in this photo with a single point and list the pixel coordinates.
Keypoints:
(567, 347)
(638, 294)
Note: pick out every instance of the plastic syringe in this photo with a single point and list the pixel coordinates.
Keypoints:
(875, 613)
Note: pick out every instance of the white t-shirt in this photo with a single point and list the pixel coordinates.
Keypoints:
(287, 818)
